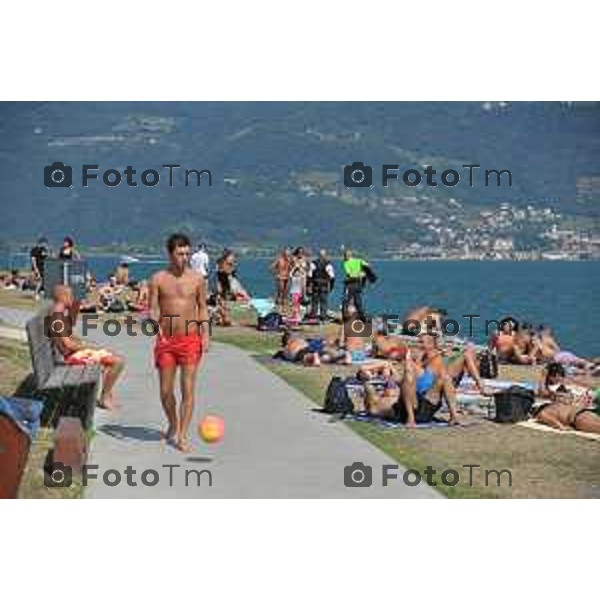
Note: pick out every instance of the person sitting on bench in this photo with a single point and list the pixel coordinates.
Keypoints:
(64, 313)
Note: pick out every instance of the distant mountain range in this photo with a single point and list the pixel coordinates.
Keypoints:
(278, 169)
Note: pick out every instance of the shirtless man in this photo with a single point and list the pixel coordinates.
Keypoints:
(178, 303)
(513, 344)
(75, 351)
(280, 268)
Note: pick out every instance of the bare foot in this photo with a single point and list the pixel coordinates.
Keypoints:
(184, 445)
(168, 436)
(106, 404)
(411, 425)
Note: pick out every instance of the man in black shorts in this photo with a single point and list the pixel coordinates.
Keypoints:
(39, 254)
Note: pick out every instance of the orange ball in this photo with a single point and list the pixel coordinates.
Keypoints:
(211, 429)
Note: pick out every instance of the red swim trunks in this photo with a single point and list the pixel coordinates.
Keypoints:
(177, 350)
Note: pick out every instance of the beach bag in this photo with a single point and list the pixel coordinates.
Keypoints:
(270, 322)
(488, 365)
(337, 399)
(513, 404)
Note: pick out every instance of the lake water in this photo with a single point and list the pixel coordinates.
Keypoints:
(563, 295)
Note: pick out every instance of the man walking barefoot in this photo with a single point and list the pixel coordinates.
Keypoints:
(178, 303)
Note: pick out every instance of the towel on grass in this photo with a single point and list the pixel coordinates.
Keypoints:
(533, 424)
(385, 423)
(467, 384)
(263, 306)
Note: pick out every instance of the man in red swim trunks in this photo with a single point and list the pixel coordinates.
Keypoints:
(178, 302)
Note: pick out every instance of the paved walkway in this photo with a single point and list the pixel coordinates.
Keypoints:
(276, 445)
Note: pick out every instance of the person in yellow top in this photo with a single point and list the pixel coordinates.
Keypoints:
(356, 270)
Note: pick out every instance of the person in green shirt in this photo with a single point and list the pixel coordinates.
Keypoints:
(354, 280)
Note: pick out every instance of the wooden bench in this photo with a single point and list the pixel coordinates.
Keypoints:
(72, 389)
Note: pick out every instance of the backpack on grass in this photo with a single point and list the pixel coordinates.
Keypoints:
(513, 404)
(270, 322)
(337, 399)
(488, 365)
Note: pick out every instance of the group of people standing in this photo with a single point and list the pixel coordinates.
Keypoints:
(301, 281)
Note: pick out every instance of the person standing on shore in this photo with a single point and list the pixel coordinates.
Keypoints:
(355, 272)
(298, 276)
(39, 254)
(178, 303)
(200, 261)
(68, 250)
(322, 277)
(225, 271)
(280, 268)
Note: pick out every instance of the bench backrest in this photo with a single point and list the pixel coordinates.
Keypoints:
(40, 347)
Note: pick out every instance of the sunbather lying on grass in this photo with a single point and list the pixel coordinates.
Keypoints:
(389, 346)
(296, 348)
(566, 404)
(355, 336)
(549, 351)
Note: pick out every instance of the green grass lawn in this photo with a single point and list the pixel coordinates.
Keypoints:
(14, 368)
(543, 465)
(15, 299)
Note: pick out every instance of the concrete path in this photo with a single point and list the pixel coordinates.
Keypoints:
(17, 317)
(14, 320)
(276, 445)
